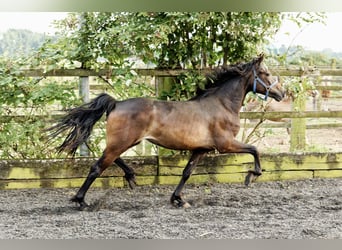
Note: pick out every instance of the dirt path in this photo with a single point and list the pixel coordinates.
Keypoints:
(286, 210)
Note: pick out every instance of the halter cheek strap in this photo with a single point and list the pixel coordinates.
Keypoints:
(267, 87)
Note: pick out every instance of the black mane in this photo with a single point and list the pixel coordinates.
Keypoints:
(222, 75)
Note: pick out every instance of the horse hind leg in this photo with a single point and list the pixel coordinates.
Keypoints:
(95, 171)
(111, 154)
(129, 172)
(106, 160)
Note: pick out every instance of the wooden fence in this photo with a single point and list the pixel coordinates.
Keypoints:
(167, 170)
(298, 117)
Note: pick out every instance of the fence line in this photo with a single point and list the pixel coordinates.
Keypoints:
(168, 72)
(167, 170)
(289, 114)
(269, 115)
(84, 75)
(164, 170)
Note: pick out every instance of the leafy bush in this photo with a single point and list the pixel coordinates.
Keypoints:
(26, 105)
(29, 105)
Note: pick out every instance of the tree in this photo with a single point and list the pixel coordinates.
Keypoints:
(18, 42)
(167, 39)
(201, 39)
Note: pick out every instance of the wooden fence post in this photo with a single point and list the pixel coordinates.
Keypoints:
(163, 85)
(84, 94)
(298, 125)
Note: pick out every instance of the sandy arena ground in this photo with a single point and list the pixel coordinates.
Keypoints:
(279, 210)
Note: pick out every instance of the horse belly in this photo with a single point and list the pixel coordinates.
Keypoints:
(180, 126)
(173, 137)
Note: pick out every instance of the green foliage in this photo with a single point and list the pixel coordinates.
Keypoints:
(125, 83)
(24, 110)
(200, 39)
(184, 86)
(167, 39)
(164, 39)
(86, 40)
(297, 87)
(305, 18)
(19, 91)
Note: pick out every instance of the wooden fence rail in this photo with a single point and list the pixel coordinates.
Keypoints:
(289, 114)
(269, 115)
(167, 72)
(167, 170)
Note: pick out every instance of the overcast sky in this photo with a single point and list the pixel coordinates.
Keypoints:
(315, 36)
(34, 21)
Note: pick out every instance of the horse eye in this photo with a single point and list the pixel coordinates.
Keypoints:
(265, 73)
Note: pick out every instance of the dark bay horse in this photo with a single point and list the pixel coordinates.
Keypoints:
(209, 121)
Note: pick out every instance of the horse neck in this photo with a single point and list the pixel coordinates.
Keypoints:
(233, 93)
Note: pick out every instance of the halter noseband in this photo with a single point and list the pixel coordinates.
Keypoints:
(267, 87)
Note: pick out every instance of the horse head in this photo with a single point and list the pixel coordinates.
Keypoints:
(264, 83)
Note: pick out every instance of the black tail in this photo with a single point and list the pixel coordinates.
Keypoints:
(79, 122)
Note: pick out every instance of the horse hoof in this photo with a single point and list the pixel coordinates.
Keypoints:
(180, 204)
(186, 205)
(74, 199)
(131, 180)
(83, 206)
(82, 203)
(132, 184)
(248, 179)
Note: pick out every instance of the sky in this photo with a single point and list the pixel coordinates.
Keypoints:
(316, 36)
(35, 21)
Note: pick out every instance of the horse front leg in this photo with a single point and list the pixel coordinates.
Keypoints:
(176, 198)
(253, 174)
(238, 147)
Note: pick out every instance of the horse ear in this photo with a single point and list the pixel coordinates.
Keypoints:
(260, 58)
